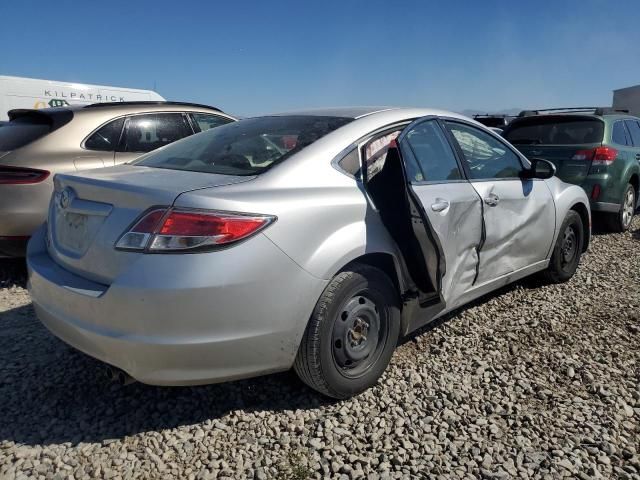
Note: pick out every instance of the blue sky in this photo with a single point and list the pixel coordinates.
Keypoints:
(258, 57)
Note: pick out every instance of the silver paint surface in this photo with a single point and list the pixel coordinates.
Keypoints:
(198, 318)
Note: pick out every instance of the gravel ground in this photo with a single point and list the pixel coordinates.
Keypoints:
(529, 382)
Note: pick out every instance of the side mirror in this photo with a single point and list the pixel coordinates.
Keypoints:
(540, 168)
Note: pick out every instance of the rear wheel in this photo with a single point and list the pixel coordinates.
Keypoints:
(621, 221)
(567, 250)
(352, 333)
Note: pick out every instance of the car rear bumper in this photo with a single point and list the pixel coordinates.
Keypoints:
(23, 208)
(605, 207)
(11, 247)
(201, 325)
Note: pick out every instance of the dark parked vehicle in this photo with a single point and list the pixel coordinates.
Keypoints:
(493, 120)
(596, 148)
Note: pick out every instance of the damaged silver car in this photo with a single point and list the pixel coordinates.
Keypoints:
(312, 240)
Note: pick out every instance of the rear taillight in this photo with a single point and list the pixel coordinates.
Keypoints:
(604, 156)
(599, 155)
(174, 229)
(21, 176)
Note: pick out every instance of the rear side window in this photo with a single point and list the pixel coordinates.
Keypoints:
(375, 153)
(434, 156)
(22, 131)
(619, 134)
(634, 129)
(547, 130)
(106, 138)
(205, 121)
(350, 163)
(148, 132)
(246, 147)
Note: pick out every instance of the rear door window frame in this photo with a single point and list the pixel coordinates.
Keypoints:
(632, 142)
(123, 135)
(627, 134)
(464, 177)
(196, 127)
(116, 145)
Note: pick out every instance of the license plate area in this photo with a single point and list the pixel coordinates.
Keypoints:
(73, 231)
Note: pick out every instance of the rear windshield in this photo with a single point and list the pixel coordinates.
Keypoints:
(555, 131)
(21, 131)
(246, 147)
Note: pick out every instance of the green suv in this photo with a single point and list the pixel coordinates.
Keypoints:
(596, 148)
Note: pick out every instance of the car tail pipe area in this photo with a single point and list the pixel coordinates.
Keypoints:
(118, 376)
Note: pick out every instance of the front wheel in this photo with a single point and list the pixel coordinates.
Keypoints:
(567, 250)
(351, 334)
(621, 220)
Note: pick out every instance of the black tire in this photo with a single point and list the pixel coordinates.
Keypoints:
(336, 337)
(567, 250)
(621, 220)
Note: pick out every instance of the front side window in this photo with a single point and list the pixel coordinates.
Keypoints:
(206, 121)
(246, 147)
(150, 131)
(619, 134)
(634, 129)
(106, 138)
(432, 152)
(486, 156)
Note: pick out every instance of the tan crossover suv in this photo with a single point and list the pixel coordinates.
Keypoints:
(36, 144)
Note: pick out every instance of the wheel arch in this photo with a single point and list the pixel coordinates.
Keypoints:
(583, 211)
(635, 181)
(395, 270)
(383, 261)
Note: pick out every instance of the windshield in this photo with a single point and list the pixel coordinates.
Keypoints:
(246, 147)
(21, 131)
(555, 131)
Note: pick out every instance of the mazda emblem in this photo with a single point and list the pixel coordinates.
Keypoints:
(66, 197)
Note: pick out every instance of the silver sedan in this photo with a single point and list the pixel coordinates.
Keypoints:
(313, 240)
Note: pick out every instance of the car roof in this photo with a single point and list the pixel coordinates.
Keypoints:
(104, 111)
(125, 107)
(385, 113)
(345, 112)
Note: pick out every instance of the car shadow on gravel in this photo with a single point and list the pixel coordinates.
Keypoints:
(51, 394)
(13, 272)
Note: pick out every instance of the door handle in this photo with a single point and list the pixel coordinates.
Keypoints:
(638, 156)
(440, 205)
(492, 199)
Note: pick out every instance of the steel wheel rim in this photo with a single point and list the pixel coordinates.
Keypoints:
(627, 208)
(569, 246)
(358, 337)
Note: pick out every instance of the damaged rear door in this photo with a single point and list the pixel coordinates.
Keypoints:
(431, 210)
(519, 213)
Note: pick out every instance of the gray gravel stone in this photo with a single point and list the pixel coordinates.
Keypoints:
(530, 382)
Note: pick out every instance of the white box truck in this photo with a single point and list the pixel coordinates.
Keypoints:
(19, 92)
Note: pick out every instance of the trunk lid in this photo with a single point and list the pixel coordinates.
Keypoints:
(570, 167)
(90, 210)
